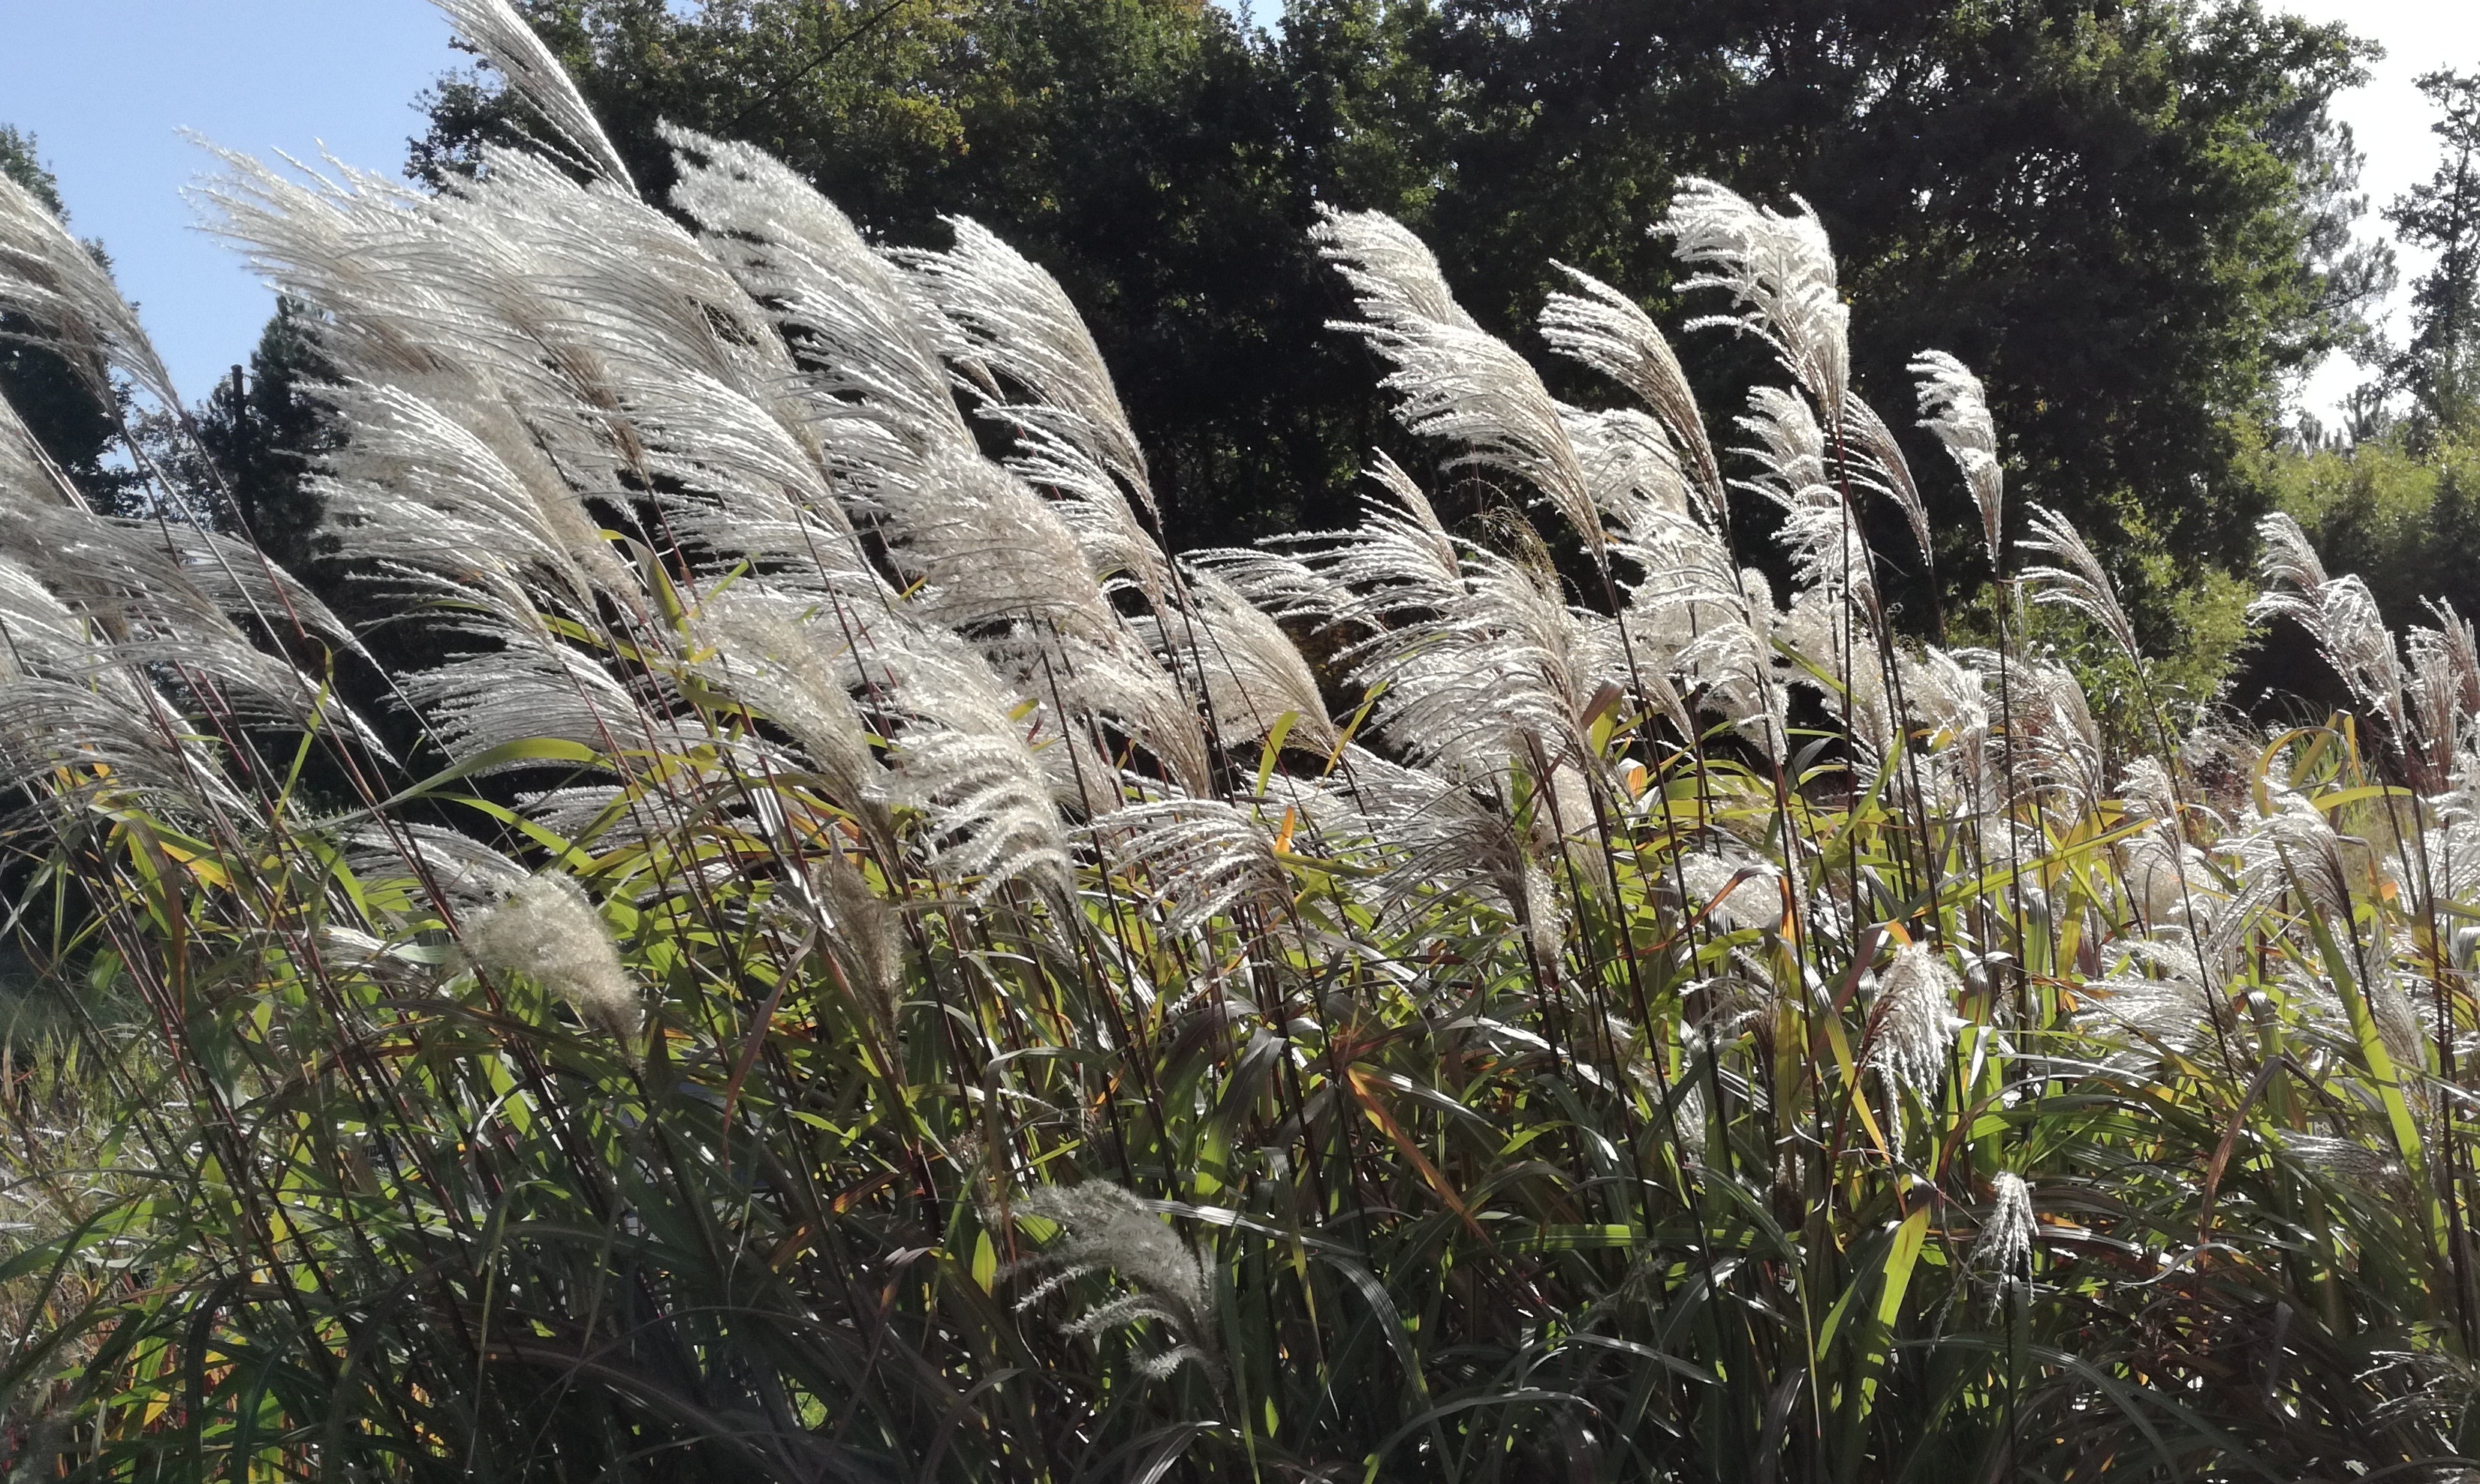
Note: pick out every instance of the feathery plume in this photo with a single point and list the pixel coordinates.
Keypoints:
(2296, 842)
(766, 655)
(1018, 321)
(2077, 581)
(1105, 1229)
(1628, 464)
(1458, 384)
(1826, 549)
(447, 865)
(1203, 857)
(2004, 1248)
(1779, 271)
(2348, 1159)
(2444, 684)
(494, 28)
(1913, 1019)
(965, 755)
(2289, 559)
(57, 282)
(1251, 672)
(864, 331)
(1955, 408)
(548, 930)
(2340, 613)
(2150, 1004)
(1950, 695)
(1605, 329)
(1876, 462)
(2054, 735)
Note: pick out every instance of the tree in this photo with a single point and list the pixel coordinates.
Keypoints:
(2129, 214)
(2114, 212)
(75, 427)
(264, 429)
(2440, 366)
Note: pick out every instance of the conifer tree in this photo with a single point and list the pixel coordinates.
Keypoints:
(2441, 367)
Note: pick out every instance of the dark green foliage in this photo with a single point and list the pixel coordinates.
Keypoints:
(264, 428)
(2131, 217)
(2407, 520)
(75, 426)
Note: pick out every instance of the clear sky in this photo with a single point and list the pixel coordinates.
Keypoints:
(106, 87)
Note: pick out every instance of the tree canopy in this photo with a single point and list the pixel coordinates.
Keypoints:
(2126, 214)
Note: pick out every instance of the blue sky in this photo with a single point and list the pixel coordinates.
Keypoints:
(106, 87)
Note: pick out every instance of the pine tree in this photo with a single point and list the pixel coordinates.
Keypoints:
(264, 428)
(2441, 367)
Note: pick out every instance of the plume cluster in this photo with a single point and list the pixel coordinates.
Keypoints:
(1596, 995)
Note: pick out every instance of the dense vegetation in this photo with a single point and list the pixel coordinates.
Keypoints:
(830, 954)
(2131, 216)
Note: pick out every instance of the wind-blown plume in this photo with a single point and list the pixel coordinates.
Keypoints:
(2151, 1003)
(2053, 736)
(2077, 580)
(1826, 545)
(1202, 857)
(967, 757)
(1017, 319)
(493, 28)
(1251, 672)
(1606, 330)
(1736, 891)
(1868, 443)
(1104, 1229)
(1458, 384)
(857, 323)
(1954, 407)
(768, 653)
(2444, 684)
(2340, 613)
(56, 281)
(1779, 271)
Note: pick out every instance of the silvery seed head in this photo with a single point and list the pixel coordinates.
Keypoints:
(548, 930)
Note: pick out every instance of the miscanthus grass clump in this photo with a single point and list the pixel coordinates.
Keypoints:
(831, 954)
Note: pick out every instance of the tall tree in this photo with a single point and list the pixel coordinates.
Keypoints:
(264, 429)
(2440, 366)
(75, 426)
